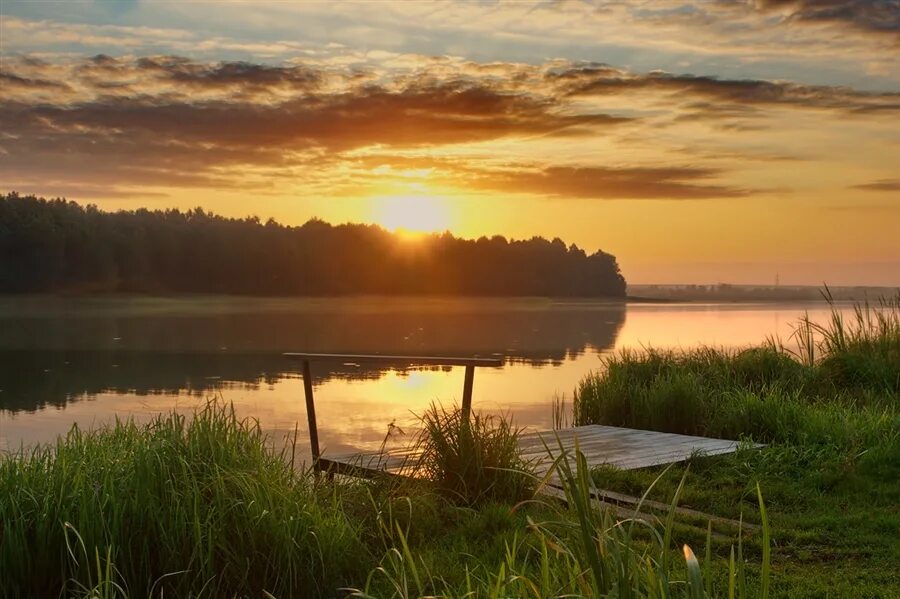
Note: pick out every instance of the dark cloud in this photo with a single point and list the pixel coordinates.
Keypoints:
(161, 121)
(880, 185)
(133, 129)
(12, 80)
(590, 79)
(227, 74)
(876, 16)
(673, 183)
(414, 116)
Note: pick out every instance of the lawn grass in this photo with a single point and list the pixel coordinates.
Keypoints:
(827, 403)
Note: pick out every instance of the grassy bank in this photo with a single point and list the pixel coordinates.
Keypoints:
(827, 403)
(201, 507)
(179, 505)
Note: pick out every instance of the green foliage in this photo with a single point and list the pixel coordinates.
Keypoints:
(472, 460)
(574, 550)
(826, 505)
(179, 506)
(194, 507)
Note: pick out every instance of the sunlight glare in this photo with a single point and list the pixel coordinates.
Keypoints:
(416, 214)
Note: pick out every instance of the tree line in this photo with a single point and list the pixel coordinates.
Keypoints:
(60, 246)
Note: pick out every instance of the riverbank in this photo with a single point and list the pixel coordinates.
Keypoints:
(201, 507)
(827, 403)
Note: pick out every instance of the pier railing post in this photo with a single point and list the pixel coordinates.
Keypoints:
(311, 415)
(467, 392)
(329, 465)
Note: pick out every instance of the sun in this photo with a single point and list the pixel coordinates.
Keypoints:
(416, 213)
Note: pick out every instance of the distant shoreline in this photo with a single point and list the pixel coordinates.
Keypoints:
(871, 294)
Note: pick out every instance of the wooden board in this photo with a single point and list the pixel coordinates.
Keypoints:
(418, 360)
(623, 448)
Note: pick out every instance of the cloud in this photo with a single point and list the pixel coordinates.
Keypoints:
(851, 41)
(170, 121)
(874, 16)
(418, 114)
(880, 185)
(595, 182)
(11, 80)
(733, 97)
(227, 74)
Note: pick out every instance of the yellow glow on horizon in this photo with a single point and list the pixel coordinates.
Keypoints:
(412, 213)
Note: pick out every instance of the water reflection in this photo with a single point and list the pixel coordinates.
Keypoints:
(84, 361)
(142, 355)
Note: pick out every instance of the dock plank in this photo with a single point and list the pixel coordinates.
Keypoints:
(623, 448)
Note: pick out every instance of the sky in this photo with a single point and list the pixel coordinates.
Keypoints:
(700, 141)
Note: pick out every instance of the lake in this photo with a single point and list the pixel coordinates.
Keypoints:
(88, 360)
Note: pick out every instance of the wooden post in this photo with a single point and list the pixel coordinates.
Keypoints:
(311, 415)
(467, 392)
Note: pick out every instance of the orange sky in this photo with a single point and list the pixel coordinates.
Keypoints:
(698, 142)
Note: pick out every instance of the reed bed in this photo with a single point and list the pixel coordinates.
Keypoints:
(180, 507)
(471, 459)
(577, 550)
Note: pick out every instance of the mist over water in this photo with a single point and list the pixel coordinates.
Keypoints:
(86, 361)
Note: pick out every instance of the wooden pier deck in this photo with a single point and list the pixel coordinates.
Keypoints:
(623, 448)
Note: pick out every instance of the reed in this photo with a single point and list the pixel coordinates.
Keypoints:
(471, 459)
(826, 402)
(202, 507)
(180, 507)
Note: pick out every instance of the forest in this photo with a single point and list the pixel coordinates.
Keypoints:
(59, 246)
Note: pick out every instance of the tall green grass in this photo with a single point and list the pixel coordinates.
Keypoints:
(471, 459)
(203, 507)
(836, 382)
(181, 507)
(574, 550)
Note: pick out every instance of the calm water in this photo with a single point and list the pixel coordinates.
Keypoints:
(87, 360)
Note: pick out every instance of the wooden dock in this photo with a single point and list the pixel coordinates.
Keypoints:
(623, 448)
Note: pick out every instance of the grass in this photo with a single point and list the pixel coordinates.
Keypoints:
(827, 403)
(181, 506)
(202, 507)
(472, 460)
(573, 550)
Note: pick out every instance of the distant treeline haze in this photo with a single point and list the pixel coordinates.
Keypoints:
(57, 245)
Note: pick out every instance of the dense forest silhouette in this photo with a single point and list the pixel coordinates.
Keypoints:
(60, 246)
